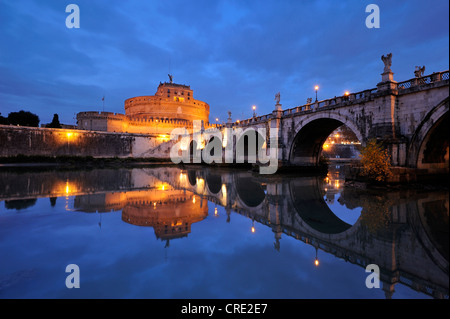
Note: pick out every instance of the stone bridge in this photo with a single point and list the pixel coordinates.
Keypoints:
(410, 118)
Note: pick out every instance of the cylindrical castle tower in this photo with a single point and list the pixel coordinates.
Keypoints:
(171, 101)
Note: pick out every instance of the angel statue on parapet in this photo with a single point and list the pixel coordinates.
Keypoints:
(419, 71)
(277, 97)
(387, 60)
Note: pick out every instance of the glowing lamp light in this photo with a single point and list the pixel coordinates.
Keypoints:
(316, 87)
(253, 229)
(316, 262)
(347, 93)
(164, 137)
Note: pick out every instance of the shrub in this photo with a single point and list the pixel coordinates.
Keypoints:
(376, 162)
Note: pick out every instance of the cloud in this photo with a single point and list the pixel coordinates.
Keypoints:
(233, 53)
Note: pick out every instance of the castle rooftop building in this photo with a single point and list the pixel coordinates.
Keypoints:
(172, 106)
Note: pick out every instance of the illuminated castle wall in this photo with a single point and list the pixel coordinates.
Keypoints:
(172, 106)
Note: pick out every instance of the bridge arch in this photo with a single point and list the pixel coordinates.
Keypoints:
(429, 146)
(310, 134)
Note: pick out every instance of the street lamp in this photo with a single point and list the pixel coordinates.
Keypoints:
(346, 94)
(316, 88)
(254, 110)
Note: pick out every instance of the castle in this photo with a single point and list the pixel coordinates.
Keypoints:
(172, 106)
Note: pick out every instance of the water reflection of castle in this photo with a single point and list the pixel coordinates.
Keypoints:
(168, 211)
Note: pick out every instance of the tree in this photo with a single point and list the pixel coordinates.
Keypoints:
(3, 120)
(23, 118)
(55, 122)
(376, 162)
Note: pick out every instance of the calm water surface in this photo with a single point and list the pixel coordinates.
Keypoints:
(168, 232)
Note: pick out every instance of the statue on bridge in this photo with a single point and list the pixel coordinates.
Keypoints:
(419, 71)
(277, 98)
(170, 78)
(387, 60)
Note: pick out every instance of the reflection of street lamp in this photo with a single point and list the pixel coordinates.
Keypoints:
(254, 110)
(253, 226)
(316, 261)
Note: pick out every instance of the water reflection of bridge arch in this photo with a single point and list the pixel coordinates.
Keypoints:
(313, 213)
(213, 183)
(250, 194)
(433, 229)
(305, 196)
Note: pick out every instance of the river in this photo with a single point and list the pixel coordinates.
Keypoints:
(203, 232)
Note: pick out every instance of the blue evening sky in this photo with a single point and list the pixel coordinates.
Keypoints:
(233, 53)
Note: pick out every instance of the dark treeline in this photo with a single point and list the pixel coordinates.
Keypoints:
(22, 118)
(25, 118)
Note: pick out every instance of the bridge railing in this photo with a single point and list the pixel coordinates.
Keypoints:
(349, 98)
(336, 101)
(431, 78)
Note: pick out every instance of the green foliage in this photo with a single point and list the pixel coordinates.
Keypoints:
(376, 162)
(23, 118)
(55, 122)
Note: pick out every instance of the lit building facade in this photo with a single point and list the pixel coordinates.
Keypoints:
(172, 106)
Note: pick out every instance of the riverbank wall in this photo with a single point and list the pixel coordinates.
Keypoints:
(36, 141)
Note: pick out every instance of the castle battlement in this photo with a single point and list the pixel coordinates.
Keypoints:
(172, 106)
